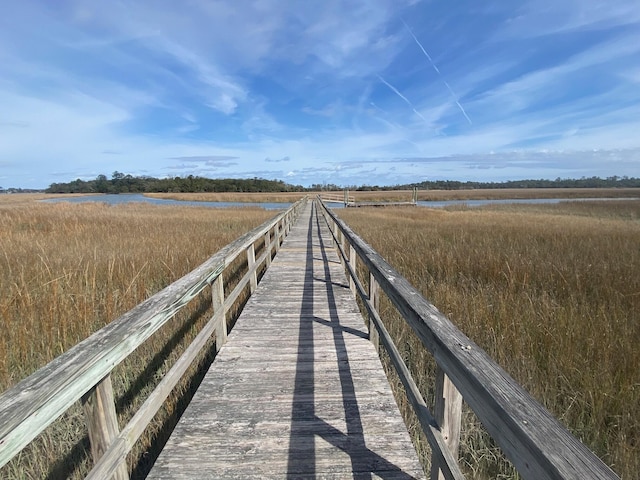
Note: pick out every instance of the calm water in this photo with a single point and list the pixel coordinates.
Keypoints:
(479, 203)
(137, 197)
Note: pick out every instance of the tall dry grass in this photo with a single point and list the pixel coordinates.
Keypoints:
(66, 270)
(552, 293)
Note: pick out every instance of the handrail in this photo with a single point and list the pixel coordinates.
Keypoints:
(537, 444)
(336, 197)
(83, 372)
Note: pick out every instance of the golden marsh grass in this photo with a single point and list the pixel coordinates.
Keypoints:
(67, 270)
(551, 292)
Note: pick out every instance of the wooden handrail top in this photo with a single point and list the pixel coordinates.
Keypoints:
(34, 403)
(538, 445)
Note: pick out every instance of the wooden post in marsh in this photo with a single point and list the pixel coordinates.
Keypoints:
(251, 262)
(217, 299)
(415, 195)
(448, 414)
(102, 422)
(374, 298)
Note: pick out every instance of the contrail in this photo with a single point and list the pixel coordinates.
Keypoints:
(455, 97)
(397, 92)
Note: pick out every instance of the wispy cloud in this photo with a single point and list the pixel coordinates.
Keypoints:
(209, 159)
(277, 160)
(397, 92)
(437, 70)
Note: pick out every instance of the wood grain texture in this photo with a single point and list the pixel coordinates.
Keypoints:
(448, 414)
(538, 445)
(298, 390)
(102, 423)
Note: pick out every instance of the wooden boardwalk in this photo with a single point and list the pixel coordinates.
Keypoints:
(298, 391)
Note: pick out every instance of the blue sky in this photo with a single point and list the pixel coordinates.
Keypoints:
(348, 92)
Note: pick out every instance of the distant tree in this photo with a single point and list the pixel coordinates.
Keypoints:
(101, 184)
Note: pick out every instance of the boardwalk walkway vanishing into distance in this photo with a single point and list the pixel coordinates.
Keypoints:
(298, 390)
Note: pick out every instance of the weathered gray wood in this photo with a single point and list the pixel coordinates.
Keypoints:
(102, 423)
(353, 261)
(268, 247)
(298, 390)
(448, 415)
(120, 447)
(374, 298)
(35, 402)
(251, 261)
(538, 445)
(217, 303)
(448, 463)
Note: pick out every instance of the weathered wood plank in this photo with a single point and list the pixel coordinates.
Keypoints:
(448, 414)
(102, 422)
(298, 389)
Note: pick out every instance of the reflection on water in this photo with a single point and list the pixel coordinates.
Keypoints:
(137, 197)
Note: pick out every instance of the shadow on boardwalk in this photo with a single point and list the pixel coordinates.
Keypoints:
(306, 426)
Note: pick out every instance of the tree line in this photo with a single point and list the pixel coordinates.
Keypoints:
(584, 182)
(121, 183)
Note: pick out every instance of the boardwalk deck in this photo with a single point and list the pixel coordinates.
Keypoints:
(298, 391)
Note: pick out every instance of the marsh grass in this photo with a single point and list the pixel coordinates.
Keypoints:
(66, 270)
(551, 292)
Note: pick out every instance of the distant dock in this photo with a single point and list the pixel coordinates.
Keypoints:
(349, 201)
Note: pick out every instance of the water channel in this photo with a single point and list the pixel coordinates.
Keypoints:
(137, 197)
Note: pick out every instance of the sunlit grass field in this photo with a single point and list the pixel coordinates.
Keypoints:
(551, 292)
(66, 270)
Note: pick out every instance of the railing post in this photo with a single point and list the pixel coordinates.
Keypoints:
(267, 247)
(447, 413)
(276, 235)
(217, 301)
(339, 239)
(251, 261)
(102, 422)
(374, 298)
(353, 261)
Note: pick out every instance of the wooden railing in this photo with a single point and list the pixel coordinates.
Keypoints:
(337, 197)
(535, 442)
(83, 372)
